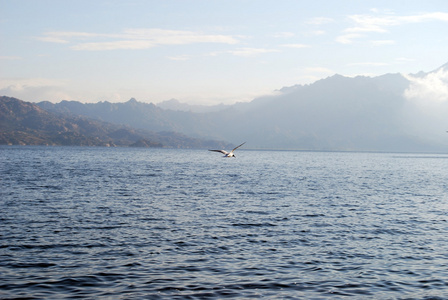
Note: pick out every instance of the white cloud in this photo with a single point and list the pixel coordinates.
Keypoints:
(427, 107)
(366, 23)
(117, 45)
(243, 52)
(52, 39)
(284, 35)
(34, 89)
(251, 51)
(64, 37)
(53, 90)
(139, 38)
(432, 87)
(177, 37)
(298, 46)
(348, 38)
(380, 23)
(427, 17)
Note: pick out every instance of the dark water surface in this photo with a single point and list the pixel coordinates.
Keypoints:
(104, 223)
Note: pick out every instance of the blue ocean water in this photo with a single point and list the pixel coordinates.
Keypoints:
(124, 223)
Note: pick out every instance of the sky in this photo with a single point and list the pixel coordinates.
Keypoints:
(208, 51)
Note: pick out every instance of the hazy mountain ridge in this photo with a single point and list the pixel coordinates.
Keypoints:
(335, 113)
(176, 105)
(24, 123)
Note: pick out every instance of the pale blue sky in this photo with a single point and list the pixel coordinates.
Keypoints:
(208, 52)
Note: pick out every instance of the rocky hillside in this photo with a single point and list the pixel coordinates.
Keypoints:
(24, 123)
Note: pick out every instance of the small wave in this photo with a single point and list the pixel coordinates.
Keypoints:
(258, 212)
(32, 265)
(248, 225)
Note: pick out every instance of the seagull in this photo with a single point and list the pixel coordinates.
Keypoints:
(228, 154)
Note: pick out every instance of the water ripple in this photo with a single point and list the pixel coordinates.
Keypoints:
(123, 223)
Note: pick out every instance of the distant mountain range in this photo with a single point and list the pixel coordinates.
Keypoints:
(24, 123)
(335, 113)
(392, 112)
(174, 104)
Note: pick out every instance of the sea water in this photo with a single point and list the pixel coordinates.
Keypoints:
(125, 223)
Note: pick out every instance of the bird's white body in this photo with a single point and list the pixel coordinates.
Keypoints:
(228, 154)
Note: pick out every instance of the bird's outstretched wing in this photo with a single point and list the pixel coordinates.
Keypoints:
(221, 151)
(238, 147)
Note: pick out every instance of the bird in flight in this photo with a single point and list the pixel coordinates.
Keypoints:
(228, 154)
